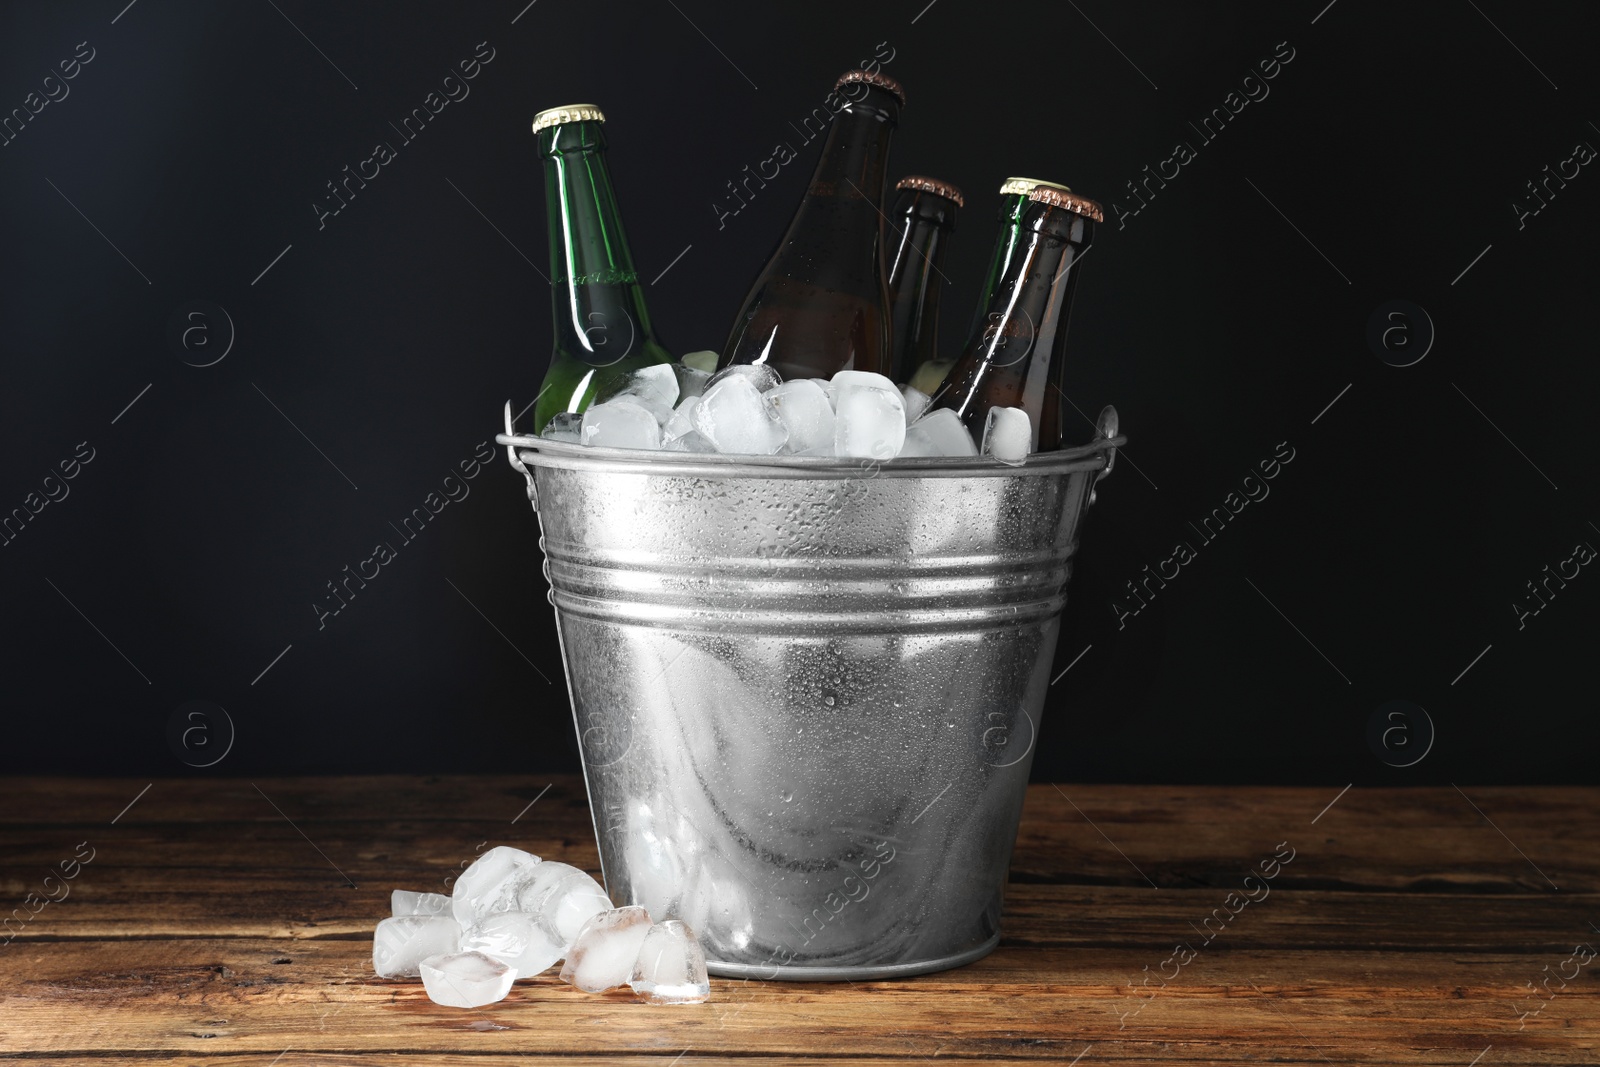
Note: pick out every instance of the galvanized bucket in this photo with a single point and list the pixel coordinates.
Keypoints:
(807, 690)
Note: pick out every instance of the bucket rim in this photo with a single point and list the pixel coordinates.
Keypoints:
(560, 454)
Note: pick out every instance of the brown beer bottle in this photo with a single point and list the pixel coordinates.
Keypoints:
(1015, 358)
(821, 304)
(924, 213)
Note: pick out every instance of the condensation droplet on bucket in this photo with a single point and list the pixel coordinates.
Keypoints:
(829, 697)
(786, 796)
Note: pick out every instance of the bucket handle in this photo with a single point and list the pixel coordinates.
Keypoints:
(511, 453)
(1105, 430)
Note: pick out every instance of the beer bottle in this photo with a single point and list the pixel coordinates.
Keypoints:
(602, 328)
(1016, 359)
(1013, 202)
(821, 304)
(924, 213)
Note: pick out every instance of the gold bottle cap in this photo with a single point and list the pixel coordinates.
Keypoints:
(1024, 186)
(558, 116)
(1078, 205)
(881, 81)
(932, 185)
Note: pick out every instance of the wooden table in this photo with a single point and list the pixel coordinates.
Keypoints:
(213, 923)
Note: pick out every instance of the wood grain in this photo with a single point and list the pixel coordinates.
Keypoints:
(208, 929)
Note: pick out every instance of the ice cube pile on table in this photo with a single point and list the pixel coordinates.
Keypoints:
(514, 916)
(749, 410)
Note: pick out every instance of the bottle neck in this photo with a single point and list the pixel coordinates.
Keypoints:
(597, 305)
(926, 222)
(836, 236)
(1012, 207)
(855, 158)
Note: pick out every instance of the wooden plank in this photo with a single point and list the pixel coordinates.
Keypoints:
(204, 997)
(1429, 839)
(305, 903)
(1118, 835)
(489, 799)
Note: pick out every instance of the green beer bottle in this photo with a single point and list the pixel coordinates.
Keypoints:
(602, 328)
(924, 213)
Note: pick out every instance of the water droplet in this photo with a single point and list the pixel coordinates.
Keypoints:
(786, 796)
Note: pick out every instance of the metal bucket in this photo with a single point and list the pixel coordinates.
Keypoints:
(807, 690)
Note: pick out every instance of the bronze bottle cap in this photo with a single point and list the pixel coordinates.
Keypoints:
(932, 185)
(881, 81)
(558, 116)
(1024, 186)
(1078, 205)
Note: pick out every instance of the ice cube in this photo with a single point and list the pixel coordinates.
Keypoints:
(405, 902)
(681, 421)
(575, 901)
(466, 979)
(662, 412)
(916, 402)
(671, 968)
(516, 939)
(561, 898)
(693, 441)
(402, 942)
(488, 885)
(827, 387)
(658, 382)
(759, 375)
(803, 408)
(691, 380)
(734, 416)
(705, 360)
(537, 883)
(606, 949)
(1007, 435)
(870, 416)
(563, 426)
(621, 423)
(938, 433)
(647, 392)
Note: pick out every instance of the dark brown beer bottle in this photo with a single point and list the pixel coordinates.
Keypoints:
(924, 213)
(821, 304)
(1016, 357)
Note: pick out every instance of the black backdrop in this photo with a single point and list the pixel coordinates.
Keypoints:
(357, 359)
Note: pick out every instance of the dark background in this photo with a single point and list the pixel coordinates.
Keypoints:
(1221, 319)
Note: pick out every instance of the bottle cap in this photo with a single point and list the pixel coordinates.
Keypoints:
(1024, 186)
(932, 185)
(1078, 205)
(881, 81)
(558, 116)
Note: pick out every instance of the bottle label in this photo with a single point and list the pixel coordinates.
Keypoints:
(608, 276)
